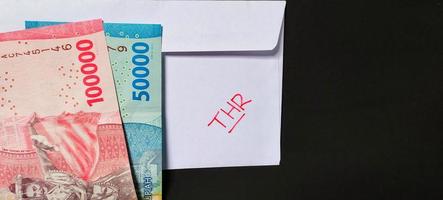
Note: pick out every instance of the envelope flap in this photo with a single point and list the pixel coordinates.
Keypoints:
(220, 25)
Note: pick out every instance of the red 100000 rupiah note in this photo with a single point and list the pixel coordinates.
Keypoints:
(61, 135)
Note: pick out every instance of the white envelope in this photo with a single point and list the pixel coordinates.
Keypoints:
(222, 57)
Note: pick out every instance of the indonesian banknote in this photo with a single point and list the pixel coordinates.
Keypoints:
(61, 135)
(135, 53)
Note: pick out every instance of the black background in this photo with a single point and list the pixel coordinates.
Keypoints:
(362, 109)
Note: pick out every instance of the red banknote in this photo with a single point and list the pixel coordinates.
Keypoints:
(61, 135)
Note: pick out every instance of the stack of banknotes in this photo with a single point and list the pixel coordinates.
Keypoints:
(81, 111)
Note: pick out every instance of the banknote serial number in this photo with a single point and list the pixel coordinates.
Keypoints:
(93, 92)
(140, 72)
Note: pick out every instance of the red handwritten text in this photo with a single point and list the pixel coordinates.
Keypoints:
(230, 117)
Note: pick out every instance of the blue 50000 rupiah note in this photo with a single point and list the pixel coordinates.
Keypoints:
(135, 54)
